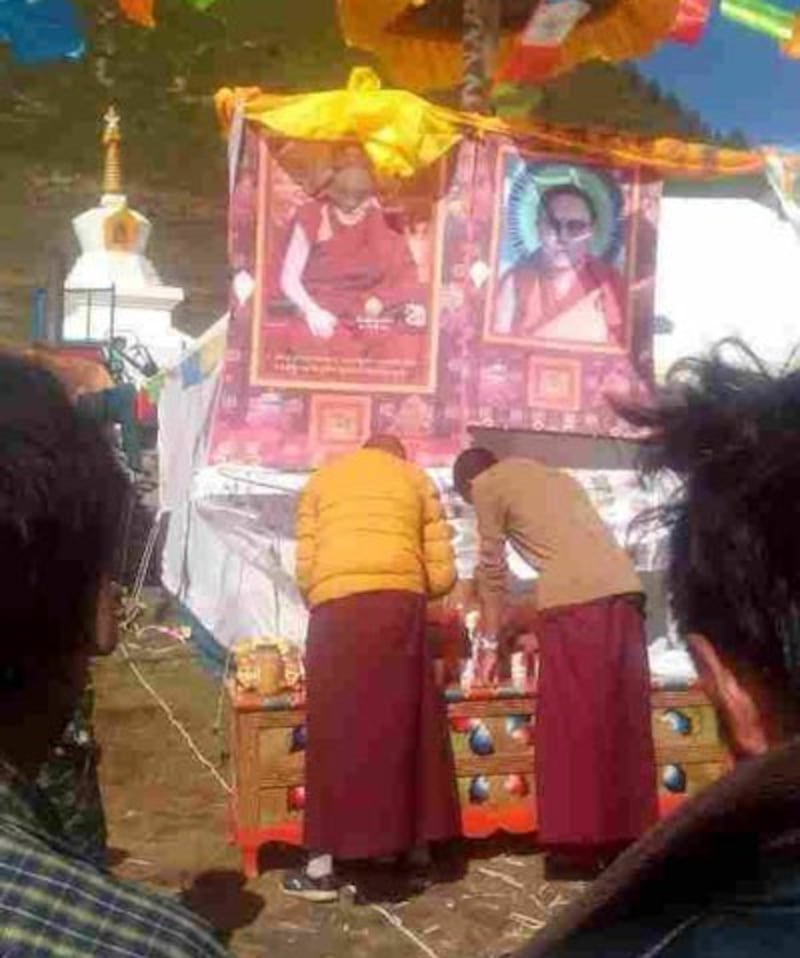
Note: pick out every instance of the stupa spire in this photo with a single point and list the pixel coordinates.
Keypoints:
(112, 172)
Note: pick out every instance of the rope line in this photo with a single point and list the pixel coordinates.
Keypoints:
(174, 721)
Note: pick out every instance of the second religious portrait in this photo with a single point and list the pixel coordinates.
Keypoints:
(562, 256)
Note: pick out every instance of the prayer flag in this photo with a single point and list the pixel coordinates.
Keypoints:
(138, 11)
(41, 30)
(538, 49)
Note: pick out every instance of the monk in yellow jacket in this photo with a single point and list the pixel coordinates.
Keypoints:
(373, 546)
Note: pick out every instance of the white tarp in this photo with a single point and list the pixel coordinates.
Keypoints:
(726, 267)
(229, 555)
(185, 410)
(231, 572)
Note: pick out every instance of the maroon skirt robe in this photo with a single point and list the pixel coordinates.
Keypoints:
(594, 753)
(379, 767)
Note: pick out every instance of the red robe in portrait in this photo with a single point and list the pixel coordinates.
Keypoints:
(347, 266)
(590, 311)
(350, 264)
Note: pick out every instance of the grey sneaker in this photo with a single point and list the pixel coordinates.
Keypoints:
(299, 884)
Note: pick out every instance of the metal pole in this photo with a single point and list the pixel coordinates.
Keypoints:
(54, 304)
(39, 304)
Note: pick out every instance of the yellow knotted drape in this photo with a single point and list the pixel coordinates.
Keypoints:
(402, 133)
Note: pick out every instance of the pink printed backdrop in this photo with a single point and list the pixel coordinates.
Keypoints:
(473, 229)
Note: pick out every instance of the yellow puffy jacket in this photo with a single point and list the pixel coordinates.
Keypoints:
(370, 521)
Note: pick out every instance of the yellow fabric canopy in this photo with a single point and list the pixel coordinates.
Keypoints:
(402, 133)
(624, 30)
(414, 63)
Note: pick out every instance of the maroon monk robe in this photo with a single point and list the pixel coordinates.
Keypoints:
(379, 768)
(349, 264)
(594, 753)
(596, 292)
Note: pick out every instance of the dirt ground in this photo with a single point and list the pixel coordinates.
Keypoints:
(167, 815)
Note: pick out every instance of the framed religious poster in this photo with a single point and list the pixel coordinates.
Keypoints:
(563, 255)
(497, 287)
(345, 298)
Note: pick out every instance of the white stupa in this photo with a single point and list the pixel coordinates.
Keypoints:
(113, 289)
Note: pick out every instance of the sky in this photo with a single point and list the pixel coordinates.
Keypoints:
(735, 78)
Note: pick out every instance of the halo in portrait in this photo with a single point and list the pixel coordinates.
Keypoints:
(525, 184)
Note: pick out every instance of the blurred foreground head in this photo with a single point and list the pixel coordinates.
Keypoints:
(61, 496)
(729, 429)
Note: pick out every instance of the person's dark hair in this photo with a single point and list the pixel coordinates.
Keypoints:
(61, 497)
(730, 431)
(468, 466)
(567, 189)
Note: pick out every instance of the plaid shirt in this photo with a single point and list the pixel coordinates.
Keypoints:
(54, 902)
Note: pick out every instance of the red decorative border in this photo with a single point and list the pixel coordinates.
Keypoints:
(324, 408)
(540, 367)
